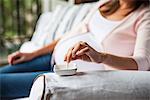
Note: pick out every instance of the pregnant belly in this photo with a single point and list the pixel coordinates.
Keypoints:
(62, 48)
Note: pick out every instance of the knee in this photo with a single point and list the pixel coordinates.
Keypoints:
(5, 69)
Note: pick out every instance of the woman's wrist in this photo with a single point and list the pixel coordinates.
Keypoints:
(103, 57)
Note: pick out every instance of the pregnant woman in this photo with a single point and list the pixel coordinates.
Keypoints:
(115, 35)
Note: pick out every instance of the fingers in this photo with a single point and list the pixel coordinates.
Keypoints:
(18, 60)
(82, 51)
(18, 57)
(9, 59)
(13, 56)
(78, 50)
(68, 56)
(83, 54)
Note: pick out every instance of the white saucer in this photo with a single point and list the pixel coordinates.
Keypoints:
(63, 70)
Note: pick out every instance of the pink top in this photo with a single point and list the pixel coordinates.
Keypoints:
(99, 28)
(130, 38)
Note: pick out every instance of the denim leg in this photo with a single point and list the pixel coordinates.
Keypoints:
(41, 63)
(16, 85)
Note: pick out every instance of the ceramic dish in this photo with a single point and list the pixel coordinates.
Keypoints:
(64, 70)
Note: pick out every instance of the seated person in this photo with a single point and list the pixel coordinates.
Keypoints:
(115, 35)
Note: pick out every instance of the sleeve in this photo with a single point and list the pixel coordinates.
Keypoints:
(142, 47)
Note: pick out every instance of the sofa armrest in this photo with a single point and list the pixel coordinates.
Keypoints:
(97, 85)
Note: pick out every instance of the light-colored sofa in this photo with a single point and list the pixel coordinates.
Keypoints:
(52, 25)
(96, 85)
(99, 85)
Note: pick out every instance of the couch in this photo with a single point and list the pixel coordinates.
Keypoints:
(52, 25)
(97, 85)
(93, 85)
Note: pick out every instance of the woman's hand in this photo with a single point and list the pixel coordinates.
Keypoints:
(84, 52)
(18, 57)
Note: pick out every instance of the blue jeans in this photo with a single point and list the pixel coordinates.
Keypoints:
(16, 80)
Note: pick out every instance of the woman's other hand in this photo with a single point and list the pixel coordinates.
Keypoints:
(84, 52)
(18, 57)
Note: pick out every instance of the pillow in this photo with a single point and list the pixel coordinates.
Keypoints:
(57, 19)
(69, 15)
(52, 25)
(74, 15)
(84, 10)
(42, 28)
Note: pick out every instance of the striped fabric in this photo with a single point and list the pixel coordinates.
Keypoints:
(52, 25)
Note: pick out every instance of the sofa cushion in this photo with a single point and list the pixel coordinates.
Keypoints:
(52, 25)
